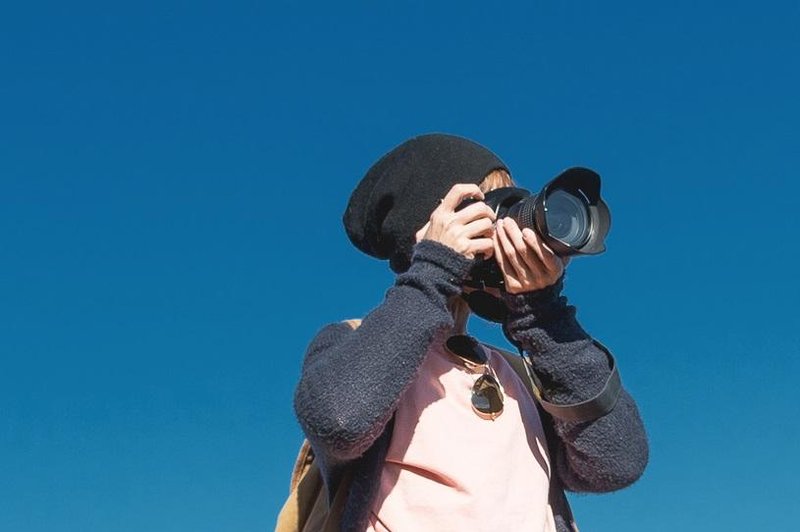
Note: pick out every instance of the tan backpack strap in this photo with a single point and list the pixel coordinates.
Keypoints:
(307, 504)
(304, 460)
(557, 497)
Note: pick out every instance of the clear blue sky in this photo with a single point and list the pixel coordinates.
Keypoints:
(173, 177)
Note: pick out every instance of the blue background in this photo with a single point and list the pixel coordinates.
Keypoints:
(173, 178)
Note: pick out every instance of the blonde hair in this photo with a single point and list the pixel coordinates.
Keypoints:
(495, 179)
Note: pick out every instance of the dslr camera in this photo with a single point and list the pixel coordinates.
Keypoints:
(567, 214)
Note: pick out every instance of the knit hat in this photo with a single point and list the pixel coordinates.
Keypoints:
(398, 193)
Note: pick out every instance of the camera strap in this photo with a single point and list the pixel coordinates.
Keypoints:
(493, 309)
(591, 409)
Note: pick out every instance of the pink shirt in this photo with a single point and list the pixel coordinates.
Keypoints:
(449, 469)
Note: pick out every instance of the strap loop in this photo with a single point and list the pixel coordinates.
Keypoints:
(591, 409)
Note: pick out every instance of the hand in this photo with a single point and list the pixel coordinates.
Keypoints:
(525, 260)
(468, 231)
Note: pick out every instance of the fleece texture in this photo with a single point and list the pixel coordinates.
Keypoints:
(352, 380)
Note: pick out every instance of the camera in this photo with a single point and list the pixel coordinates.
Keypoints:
(567, 214)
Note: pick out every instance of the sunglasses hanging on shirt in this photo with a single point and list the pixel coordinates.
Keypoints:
(487, 394)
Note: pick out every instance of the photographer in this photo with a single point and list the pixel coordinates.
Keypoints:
(427, 428)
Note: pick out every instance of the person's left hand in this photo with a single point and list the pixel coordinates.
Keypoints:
(525, 260)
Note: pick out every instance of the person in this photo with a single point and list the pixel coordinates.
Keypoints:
(431, 429)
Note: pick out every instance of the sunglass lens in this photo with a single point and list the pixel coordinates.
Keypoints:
(487, 399)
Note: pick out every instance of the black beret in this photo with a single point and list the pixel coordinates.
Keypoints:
(398, 193)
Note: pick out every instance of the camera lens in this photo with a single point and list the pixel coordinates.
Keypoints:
(567, 218)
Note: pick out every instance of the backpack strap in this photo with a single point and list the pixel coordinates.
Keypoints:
(304, 460)
(556, 497)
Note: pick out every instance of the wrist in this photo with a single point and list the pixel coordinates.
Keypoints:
(534, 300)
(441, 264)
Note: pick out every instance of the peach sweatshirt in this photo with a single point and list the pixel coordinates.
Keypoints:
(449, 469)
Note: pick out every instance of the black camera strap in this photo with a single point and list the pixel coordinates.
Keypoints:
(591, 409)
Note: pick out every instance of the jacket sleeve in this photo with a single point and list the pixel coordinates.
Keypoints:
(603, 455)
(352, 380)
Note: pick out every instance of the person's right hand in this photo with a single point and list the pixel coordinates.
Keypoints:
(468, 231)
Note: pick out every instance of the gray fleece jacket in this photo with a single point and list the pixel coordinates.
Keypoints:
(352, 381)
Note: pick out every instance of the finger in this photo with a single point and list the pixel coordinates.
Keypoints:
(499, 256)
(475, 211)
(546, 255)
(482, 245)
(479, 227)
(529, 255)
(508, 249)
(533, 241)
(549, 258)
(533, 265)
(459, 193)
(510, 280)
(488, 250)
(482, 227)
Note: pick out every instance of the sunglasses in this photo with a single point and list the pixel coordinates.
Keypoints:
(487, 394)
